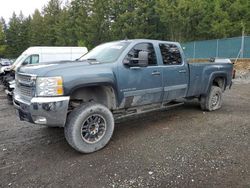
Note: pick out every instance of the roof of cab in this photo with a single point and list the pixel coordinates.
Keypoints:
(146, 40)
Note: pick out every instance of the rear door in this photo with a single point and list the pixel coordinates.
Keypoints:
(175, 72)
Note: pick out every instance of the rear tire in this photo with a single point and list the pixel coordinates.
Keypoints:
(213, 100)
(89, 127)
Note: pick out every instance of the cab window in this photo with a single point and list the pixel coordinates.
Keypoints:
(32, 59)
(171, 54)
(148, 47)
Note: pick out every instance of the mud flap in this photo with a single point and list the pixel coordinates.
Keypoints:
(230, 85)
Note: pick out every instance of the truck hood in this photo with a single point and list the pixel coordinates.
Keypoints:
(43, 69)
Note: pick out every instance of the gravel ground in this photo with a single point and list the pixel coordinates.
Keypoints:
(182, 147)
(242, 77)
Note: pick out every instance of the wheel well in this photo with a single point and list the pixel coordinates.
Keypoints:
(220, 82)
(104, 95)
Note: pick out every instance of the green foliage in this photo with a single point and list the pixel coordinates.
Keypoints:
(17, 35)
(51, 18)
(2, 40)
(37, 29)
(2, 34)
(91, 22)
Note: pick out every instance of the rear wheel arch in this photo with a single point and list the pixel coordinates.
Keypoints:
(220, 81)
(216, 79)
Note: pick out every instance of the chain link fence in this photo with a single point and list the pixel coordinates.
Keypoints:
(237, 47)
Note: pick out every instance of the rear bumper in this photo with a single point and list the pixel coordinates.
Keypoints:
(50, 111)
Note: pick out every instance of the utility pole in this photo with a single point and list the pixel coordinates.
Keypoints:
(194, 51)
(217, 48)
(242, 42)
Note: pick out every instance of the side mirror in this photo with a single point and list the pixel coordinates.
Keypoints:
(143, 58)
(141, 61)
(25, 63)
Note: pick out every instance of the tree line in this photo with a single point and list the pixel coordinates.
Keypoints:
(91, 22)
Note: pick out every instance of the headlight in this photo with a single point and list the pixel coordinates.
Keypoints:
(49, 86)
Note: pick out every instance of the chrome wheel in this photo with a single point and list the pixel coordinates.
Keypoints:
(93, 128)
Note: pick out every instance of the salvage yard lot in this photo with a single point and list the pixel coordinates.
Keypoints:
(182, 147)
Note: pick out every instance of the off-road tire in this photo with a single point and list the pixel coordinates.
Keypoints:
(75, 120)
(207, 102)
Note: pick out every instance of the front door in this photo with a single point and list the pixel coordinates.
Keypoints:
(140, 85)
(175, 72)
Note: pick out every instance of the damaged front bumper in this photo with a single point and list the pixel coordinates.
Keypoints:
(49, 111)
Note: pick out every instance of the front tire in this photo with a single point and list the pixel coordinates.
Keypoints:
(89, 127)
(213, 100)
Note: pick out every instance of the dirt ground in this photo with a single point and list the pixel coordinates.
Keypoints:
(182, 147)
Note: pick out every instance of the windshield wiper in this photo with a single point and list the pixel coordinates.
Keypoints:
(91, 59)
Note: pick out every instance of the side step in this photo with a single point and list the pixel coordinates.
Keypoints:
(119, 114)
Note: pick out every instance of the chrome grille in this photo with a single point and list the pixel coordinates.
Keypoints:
(23, 78)
(24, 90)
(24, 85)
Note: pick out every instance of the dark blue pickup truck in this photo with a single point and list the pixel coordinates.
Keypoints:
(115, 80)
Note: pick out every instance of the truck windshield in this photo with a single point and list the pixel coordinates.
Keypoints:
(106, 53)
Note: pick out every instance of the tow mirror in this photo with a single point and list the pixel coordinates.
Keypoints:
(143, 58)
(141, 61)
(25, 63)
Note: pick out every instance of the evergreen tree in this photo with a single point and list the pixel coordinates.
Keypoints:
(2, 34)
(98, 22)
(79, 11)
(37, 29)
(135, 19)
(51, 18)
(2, 39)
(12, 35)
(64, 30)
(91, 22)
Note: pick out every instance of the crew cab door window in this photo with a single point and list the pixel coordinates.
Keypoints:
(170, 54)
(147, 47)
(32, 59)
(175, 73)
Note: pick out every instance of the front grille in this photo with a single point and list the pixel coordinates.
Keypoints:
(24, 85)
(23, 78)
(24, 90)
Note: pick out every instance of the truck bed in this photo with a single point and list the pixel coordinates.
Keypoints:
(200, 74)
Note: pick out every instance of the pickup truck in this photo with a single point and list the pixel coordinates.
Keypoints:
(112, 81)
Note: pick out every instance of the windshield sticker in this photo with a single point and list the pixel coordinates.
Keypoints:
(116, 47)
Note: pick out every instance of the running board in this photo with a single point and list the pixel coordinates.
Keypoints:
(119, 114)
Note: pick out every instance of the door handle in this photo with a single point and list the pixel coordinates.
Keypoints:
(182, 71)
(156, 73)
